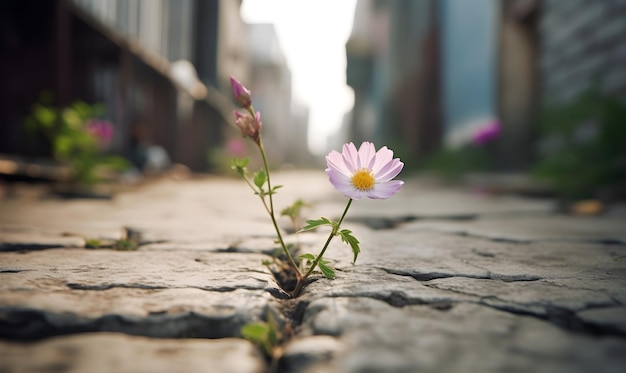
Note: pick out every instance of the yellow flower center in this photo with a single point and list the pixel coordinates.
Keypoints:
(363, 180)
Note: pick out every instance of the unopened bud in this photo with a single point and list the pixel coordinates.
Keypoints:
(249, 126)
(241, 93)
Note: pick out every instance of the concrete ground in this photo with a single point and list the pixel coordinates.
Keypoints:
(449, 280)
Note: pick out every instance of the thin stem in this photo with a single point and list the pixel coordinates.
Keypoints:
(271, 212)
(256, 192)
(332, 234)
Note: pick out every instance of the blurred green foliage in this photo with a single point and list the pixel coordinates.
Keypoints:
(584, 146)
(71, 143)
(455, 162)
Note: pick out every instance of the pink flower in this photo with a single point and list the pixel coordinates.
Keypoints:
(364, 172)
(236, 147)
(241, 93)
(249, 127)
(102, 130)
(486, 133)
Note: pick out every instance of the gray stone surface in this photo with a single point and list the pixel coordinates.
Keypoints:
(111, 352)
(463, 338)
(172, 294)
(447, 281)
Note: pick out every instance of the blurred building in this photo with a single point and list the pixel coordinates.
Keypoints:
(160, 66)
(270, 83)
(581, 43)
(298, 152)
(428, 73)
(393, 67)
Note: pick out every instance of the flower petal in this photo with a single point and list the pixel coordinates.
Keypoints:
(385, 190)
(350, 156)
(389, 171)
(343, 184)
(334, 160)
(383, 156)
(367, 154)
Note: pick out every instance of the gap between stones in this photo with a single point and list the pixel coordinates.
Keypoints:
(31, 325)
(427, 276)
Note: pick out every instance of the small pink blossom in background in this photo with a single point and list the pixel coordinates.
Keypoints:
(102, 130)
(486, 133)
(236, 147)
(364, 172)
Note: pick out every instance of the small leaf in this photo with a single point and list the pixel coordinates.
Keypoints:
(125, 245)
(311, 224)
(261, 334)
(255, 332)
(347, 237)
(239, 165)
(327, 271)
(266, 262)
(259, 179)
(273, 335)
(92, 243)
(307, 256)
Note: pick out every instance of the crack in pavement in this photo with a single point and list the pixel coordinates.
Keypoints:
(32, 324)
(428, 276)
(560, 316)
(104, 287)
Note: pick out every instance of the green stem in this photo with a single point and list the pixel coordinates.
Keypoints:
(271, 212)
(257, 192)
(332, 234)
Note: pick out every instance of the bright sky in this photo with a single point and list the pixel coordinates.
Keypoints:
(313, 35)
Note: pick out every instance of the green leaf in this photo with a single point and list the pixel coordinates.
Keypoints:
(311, 224)
(273, 334)
(307, 256)
(327, 271)
(92, 243)
(259, 179)
(239, 165)
(347, 237)
(264, 334)
(125, 245)
(294, 210)
(255, 332)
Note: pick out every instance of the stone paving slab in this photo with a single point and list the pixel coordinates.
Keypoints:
(610, 230)
(112, 352)
(171, 294)
(85, 269)
(555, 281)
(462, 338)
(447, 281)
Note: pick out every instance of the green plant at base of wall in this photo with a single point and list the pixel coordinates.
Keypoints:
(71, 141)
(584, 153)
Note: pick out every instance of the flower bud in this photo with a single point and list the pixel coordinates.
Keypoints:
(241, 93)
(249, 127)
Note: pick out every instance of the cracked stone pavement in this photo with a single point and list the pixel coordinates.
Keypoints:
(448, 281)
